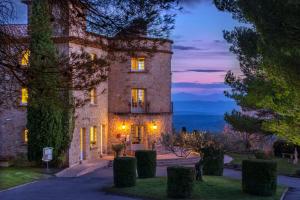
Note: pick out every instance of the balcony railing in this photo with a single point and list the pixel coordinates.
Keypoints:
(144, 107)
(139, 107)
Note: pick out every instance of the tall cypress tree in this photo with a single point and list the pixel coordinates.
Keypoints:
(45, 112)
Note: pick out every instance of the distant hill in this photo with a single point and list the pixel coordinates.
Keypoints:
(193, 97)
(203, 107)
(201, 112)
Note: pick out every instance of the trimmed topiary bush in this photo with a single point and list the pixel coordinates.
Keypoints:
(146, 163)
(259, 177)
(261, 155)
(180, 181)
(124, 171)
(213, 161)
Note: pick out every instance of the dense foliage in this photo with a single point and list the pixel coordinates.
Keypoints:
(47, 117)
(282, 146)
(259, 177)
(213, 160)
(124, 171)
(268, 49)
(180, 181)
(146, 163)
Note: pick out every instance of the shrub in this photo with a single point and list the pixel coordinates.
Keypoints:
(180, 181)
(297, 173)
(259, 177)
(124, 171)
(117, 148)
(281, 146)
(146, 163)
(262, 155)
(213, 161)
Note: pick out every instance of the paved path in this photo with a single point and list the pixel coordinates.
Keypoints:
(79, 188)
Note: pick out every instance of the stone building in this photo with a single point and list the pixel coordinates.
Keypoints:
(133, 105)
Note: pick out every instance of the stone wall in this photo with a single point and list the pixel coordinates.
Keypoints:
(156, 80)
(12, 138)
(90, 115)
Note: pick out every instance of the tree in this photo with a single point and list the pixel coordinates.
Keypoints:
(268, 50)
(45, 113)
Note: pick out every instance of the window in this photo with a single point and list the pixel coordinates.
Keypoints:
(93, 56)
(25, 58)
(25, 136)
(137, 64)
(24, 96)
(93, 96)
(93, 135)
(137, 100)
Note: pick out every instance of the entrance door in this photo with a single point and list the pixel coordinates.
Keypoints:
(82, 144)
(137, 137)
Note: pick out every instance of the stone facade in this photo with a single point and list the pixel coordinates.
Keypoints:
(110, 116)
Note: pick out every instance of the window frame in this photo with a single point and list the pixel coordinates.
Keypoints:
(135, 64)
(93, 96)
(93, 136)
(24, 96)
(25, 58)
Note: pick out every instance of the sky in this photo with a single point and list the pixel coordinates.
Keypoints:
(201, 56)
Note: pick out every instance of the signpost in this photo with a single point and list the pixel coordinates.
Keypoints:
(47, 155)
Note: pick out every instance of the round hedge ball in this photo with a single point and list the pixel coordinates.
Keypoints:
(124, 169)
(259, 177)
(146, 163)
(180, 181)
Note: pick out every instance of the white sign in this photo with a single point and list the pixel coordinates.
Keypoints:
(47, 154)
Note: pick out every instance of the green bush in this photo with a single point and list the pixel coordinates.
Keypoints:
(146, 163)
(262, 155)
(213, 160)
(259, 177)
(180, 181)
(124, 171)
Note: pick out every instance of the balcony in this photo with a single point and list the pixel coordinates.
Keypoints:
(139, 107)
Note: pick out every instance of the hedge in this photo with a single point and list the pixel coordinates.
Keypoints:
(259, 177)
(213, 160)
(124, 169)
(146, 163)
(180, 181)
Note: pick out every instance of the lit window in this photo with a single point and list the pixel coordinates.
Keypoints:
(24, 96)
(138, 98)
(93, 96)
(93, 135)
(26, 136)
(137, 64)
(93, 56)
(25, 58)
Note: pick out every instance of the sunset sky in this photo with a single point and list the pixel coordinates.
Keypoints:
(201, 57)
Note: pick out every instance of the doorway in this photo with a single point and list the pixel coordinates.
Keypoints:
(83, 144)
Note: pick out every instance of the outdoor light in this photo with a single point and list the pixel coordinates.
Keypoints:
(123, 126)
(154, 126)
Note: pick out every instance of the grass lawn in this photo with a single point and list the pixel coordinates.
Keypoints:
(284, 167)
(10, 177)
(213, 188)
